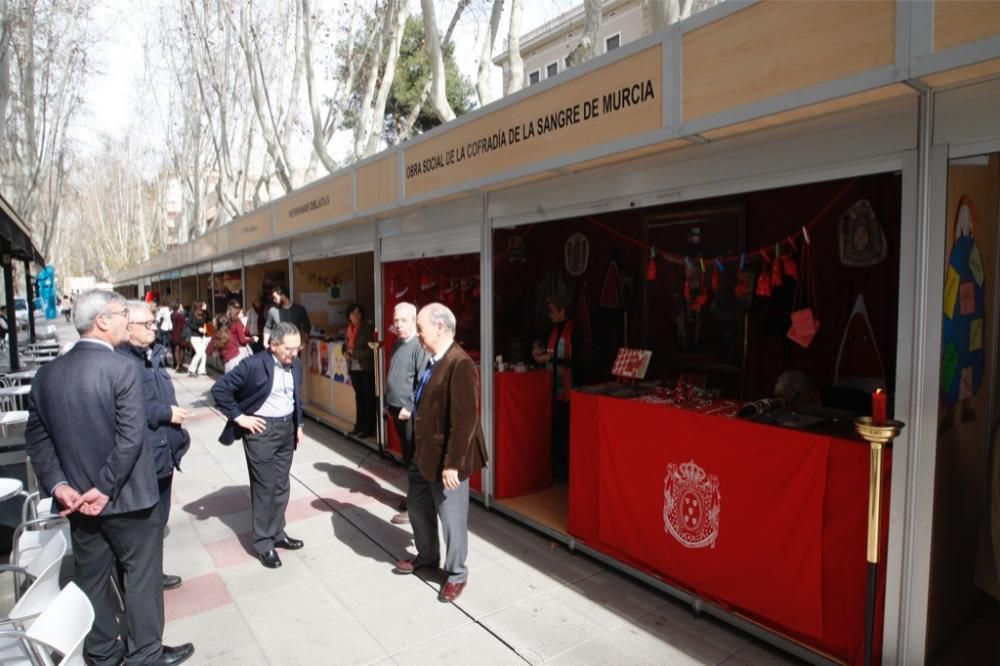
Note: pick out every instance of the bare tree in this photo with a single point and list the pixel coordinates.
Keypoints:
(587, 47)
(44, 50)
(515, 66)
(662, 13)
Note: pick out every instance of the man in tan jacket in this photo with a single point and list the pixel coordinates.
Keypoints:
(449, 448)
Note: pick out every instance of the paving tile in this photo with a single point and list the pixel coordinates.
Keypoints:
(369, 583)
(700, 637)
(344, 642)
(215, 633)
(216, 528)
(469, 644)
(760, 654)
(610, 599)
(275, 615)
(252, 579)
(541, 628)
(185, 555)
(408, 619)
(196, 595)
(493, 587)
(627, 645)
(251, 656)
(231, 551)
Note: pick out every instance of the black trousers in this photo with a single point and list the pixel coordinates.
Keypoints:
(269, 459)
(404, 430)
(131, 543)
(364, 399)
(166, 485)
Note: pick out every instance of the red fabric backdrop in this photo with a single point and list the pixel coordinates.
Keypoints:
(791, 547)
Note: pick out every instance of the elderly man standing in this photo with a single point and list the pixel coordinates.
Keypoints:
(261, 398)
(407, 361)
(164, 434)
(104, 481)
(449, 449)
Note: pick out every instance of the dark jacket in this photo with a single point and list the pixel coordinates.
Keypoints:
(168, 441)
(446, 425)
(244, 389)
(85, 428)
(364, 354)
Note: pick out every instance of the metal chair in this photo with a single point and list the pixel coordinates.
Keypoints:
(60, 629)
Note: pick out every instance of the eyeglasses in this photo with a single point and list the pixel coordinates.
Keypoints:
(149, 325)
(116, 313)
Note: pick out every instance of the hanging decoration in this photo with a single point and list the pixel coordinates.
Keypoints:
(861, 238)
(776, 267)
(576, 253)
(651, 265)
(963, 352)
(804, 322)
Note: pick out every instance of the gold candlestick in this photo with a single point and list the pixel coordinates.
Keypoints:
(878, 437)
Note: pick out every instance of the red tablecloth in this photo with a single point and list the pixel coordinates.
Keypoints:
(789, 549)
(523, 432)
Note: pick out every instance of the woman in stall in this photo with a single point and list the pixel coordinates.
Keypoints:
(361, 362)
(558, 354)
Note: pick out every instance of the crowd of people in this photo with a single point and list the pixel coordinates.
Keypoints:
(115, 485)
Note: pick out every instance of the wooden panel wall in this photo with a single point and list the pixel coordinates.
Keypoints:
(960, 22)
(377, 183)
(312, 206)
(773, 48)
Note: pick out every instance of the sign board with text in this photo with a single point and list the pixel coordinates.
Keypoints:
(613, 102)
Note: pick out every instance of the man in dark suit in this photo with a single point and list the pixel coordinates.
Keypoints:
(164, 435)
(449, 449)
(85, 441)
(261, 398)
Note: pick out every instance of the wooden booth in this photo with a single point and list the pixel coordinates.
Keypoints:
(668, 188)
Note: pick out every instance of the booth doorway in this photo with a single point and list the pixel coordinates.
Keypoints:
(963, 624)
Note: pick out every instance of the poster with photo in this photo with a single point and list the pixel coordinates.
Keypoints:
(315, 357)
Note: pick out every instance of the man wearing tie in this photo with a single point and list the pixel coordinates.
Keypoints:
(449, 448)
(261, 398)
(85, 440)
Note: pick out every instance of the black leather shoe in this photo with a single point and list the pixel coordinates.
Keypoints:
(288, 543)
(270, 559)
(170, 581)
(175, 655)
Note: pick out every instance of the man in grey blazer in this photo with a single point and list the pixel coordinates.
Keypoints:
(85, 440)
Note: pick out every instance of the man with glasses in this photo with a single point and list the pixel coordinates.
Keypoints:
(261, 398)
(164, 434)
(85, 440)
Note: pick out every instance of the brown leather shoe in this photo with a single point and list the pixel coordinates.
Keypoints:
(405, 567)
(451, 591)
(401, 518)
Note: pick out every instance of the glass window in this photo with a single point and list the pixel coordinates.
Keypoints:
(613, 42)
(534, 77)
(551, 69)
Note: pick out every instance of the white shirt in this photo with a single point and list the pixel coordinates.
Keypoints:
(437, 357)
(281, 400)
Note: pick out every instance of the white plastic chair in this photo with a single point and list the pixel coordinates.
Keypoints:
(44, 572)
(60, 629)
(31, 536)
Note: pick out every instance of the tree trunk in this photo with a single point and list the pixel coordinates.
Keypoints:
(515, 74)
(385, 85)
(484, 77)
(588, 46)
(432, 42)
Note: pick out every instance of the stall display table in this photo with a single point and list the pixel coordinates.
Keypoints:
(523, 432)
(767, 522)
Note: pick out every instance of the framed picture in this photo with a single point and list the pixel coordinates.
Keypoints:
(693, 319)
